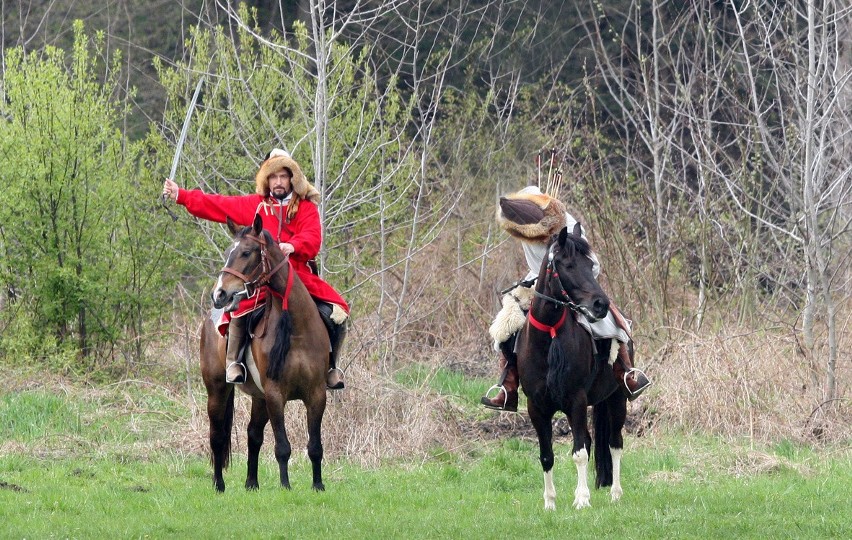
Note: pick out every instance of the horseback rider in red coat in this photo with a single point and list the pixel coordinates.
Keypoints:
(287, 204)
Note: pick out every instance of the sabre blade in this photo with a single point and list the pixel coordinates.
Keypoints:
(185, 128)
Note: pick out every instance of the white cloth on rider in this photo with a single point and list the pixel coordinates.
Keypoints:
(535, 252)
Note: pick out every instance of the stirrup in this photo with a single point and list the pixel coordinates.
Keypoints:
(340, 384)
(235, 381)
(641, 388)
(485, 400)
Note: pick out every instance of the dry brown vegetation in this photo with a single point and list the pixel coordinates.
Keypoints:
(732, 382)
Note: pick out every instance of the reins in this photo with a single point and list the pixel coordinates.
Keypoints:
(566, 304)
(260, 276)
(550, 274)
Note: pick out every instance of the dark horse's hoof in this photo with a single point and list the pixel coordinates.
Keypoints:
(318, 487)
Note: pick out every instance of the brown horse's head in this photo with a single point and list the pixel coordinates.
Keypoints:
(569, 255)
(245, 264)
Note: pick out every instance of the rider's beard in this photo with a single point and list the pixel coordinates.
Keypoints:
(280, 193)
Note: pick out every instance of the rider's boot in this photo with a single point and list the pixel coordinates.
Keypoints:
(334, 377)
(235, 369)
(633, 380)
(507, 395)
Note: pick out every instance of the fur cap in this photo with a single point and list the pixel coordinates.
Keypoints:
(531, 215)
(278, 160)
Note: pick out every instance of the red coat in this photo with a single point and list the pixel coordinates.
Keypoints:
(303, 232)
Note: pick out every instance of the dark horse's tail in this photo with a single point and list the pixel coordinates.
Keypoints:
(558, 371)
(281, 346)
(603, 456)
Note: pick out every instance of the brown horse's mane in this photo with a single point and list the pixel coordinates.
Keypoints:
(266, 235)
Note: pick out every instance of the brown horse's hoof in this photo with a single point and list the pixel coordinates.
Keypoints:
(334, 379)
(235, 373)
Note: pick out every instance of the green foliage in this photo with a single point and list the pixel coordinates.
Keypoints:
(24, 343)
(262, 93)
(31, 416)
(85, 497)
(75, 236)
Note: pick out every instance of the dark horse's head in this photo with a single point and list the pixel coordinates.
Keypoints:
(569, 255)
(245, 265)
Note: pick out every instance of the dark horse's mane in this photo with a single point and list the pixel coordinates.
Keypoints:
(580, 244)
(559, 365)
(283, 329)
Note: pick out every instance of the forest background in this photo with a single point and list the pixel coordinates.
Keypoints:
(706, 147)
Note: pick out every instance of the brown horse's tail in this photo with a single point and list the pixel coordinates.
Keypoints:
(603, 455)
(281, 346)
(227, 429)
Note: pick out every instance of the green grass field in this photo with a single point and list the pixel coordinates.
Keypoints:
(74, 467)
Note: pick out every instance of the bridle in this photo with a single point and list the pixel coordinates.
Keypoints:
(262, 273)
(565, 300)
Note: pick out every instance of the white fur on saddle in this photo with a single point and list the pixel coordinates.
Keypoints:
(512, 316)
(338, 315)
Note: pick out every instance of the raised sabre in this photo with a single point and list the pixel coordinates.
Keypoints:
(182, 138)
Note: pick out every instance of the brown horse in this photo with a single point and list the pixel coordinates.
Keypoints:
(559, 370)
(289, 356)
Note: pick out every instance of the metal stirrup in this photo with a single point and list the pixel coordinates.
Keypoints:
(242, 367)
(636, 370)
(498, 387)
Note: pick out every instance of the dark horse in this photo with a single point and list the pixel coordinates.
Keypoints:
(560, 371)
(288, 360)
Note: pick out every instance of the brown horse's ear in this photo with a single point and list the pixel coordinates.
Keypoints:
(233, 227)
(257, 226)
(578, 231)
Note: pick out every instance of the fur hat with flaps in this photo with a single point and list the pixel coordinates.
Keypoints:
(531, 215)
(278, 160)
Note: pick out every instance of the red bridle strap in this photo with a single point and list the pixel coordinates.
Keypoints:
(538, 325)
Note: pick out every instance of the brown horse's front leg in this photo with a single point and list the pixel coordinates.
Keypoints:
(259, 418)
(275, 409)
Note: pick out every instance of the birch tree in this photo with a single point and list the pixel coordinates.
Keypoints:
(751, 102)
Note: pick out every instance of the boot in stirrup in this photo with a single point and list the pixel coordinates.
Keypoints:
(335, 375)
(507, 396)
(235, 369)
(633, 380)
